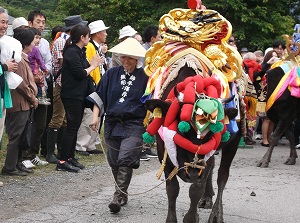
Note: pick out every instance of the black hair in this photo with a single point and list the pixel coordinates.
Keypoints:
(75, 35)
(55, 30)
(35, 13)
(35, 31)
(278, 43)
(25, 36)
(150, 31)
(19, 29)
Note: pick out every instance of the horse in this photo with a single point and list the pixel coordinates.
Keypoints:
(191, 68)
(283, 112)
(201, 189)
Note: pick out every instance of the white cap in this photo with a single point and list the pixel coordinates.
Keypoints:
(97, 26)
(127, 31)
(268, 49)
(18, 22)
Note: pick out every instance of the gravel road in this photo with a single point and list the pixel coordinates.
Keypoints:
(83, 197)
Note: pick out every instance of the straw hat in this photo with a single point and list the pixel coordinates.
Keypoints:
(129, 47)
(97, 26)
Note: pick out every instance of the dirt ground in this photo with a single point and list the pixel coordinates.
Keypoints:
(42, 188)
(276, 191)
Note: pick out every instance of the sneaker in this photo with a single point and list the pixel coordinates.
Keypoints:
(28, 164)
(258, 136)
(6, 172)
(82, 153)
(38, 162)
(144, 156)
(95, 151)
(150, 153)
(22, 168)
(297, 146)
(74, 162)
(66, 166)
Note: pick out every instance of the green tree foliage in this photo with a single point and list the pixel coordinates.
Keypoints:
(295, 11)
(256, 23)
(17, 8)
(118, 13)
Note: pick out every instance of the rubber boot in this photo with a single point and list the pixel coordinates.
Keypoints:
(115, 173)
(120, 196)
(126, 173)
(44, 142)
(51, 139)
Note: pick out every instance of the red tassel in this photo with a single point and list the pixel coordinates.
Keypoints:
(186, 144)
(155, 125)
(192, 4)
(172, 113)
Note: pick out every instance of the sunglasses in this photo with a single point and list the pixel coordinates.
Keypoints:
(230, 41)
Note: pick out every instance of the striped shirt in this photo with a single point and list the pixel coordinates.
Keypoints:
(57, 54)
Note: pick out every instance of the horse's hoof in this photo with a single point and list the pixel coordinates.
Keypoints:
(263, 164)
(191, 219)
(205, 203)
(201, 203)
(208, 204)
(171, 219)
(215, 219)
(290, 161)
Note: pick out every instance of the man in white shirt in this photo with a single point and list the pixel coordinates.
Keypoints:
(37, 19)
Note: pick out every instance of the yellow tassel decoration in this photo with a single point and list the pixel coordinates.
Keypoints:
(261, 106)
(146, 119)
(163, 164)
(252, 105)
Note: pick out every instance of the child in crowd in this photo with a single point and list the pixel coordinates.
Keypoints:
(38, 68)
(108, 62)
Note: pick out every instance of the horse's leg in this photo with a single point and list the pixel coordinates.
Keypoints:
(274, 138)
(206, 200)
(228, 154)
(289, 133)
(192, 215)
(196, 191)
(172, 187)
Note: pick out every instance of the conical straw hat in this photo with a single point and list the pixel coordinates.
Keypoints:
(130, 47)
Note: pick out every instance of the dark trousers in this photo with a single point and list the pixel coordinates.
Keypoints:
(49, 116)
(124, 152)
(15, 125)
(74, 113)
(40, 117)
